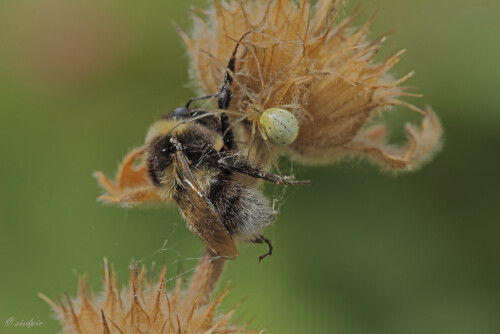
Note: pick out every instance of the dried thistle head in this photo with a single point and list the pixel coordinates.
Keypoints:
(145, 307)
(300, 57)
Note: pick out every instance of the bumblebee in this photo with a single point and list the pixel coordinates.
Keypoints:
(191, 157)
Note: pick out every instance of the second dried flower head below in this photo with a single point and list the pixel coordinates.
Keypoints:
(144, 306)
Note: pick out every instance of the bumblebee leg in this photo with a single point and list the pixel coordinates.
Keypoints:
(266, 141)
(244, 167)
(224, 97)
(224, 94)
(223, 100)
(260, 240)
(227, 134)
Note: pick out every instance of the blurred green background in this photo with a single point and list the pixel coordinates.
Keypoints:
(358, 252)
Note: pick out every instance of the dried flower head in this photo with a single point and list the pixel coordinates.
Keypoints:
(145, 307)
(300, 57)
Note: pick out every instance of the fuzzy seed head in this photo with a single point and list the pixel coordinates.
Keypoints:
(302, 58)
(145, 307)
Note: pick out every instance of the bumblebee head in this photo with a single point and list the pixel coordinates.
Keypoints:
(181, 113)
(198, 116)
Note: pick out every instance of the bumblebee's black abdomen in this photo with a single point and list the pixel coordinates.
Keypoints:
(225, 194)
(244, 211)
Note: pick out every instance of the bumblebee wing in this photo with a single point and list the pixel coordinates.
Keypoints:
(200, 213)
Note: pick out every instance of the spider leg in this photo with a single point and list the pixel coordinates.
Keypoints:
(266, 141)
(191, 100)
(252, 137)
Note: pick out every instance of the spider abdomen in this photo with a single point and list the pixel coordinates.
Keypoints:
(279, 125)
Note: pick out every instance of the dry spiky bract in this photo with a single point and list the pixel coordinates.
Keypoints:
(301, 56)
(145, 307)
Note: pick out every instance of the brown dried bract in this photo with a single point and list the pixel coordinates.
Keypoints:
(133, 185)
(301, 56)
(145, 307)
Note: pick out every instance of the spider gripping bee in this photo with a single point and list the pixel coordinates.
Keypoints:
(191, 157)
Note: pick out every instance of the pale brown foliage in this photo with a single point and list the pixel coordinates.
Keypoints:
(300, 55)
(132, 186)
(145, 307)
